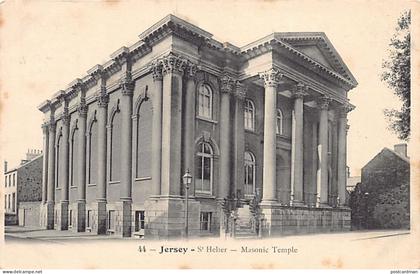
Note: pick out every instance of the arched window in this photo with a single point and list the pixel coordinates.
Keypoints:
(115, 159)
(249, 184)
(205, 101)
(73, 157)
(249, 113)
(204, 169)
(144, 139)
(93, 153)
(279, 122)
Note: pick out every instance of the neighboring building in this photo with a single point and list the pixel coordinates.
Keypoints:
(269, 117)
(10, 192)
(23, 187)
(382, 199)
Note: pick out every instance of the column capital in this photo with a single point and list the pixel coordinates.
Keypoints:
(300, 91)
(240, 91)
(172, 63)
(102, 99)
(226, 83)
(65, 118)
(45, 127)
(271, 77)
(127, 84)
(82, 108)
(156, 69)
(324, 102)
(191, 71)
(344, 109)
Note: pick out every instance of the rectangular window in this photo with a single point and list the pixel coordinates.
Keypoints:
(111, 220)
(10, 180)
(70, 218)
(13, 202)
(14, 179)
(205, 221)
(139, 220)
(56, 217)
(5, 181)
(8, 201)
(5, 201)
(89, 218)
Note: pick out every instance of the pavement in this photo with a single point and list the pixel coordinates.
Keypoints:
(37, 234)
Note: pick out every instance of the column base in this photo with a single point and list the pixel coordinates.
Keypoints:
(124, 218)
(49, 215)
(64, 216)
(100, 227)
(166, 217)
(80, 224)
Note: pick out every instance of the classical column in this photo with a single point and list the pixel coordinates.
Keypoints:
(227, 85)
(342, 153)
(102, 114)
(127, 89)
(239, 134)
(45, 132)
(81, 162)
(189, 122)
(271, 80)
(157, 127)
(296, 187)
(64, 174)
(172, 71)
(51, 172)
(322, 182)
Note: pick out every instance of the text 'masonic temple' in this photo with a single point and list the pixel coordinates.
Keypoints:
(266, 119)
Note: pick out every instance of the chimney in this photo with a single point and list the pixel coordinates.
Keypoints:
(5, 166)
(401, 149)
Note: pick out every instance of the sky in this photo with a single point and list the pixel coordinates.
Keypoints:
(47, 44)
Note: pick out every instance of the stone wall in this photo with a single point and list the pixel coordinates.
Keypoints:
(29, 181)
(29, 213)
(282, 220)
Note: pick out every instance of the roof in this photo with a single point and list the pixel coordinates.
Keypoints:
(24, 164)
(312, 48)
(387, 150)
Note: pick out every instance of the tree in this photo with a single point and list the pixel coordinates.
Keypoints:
(396, 75)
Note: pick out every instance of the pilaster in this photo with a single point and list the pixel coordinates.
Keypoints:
(173, 68)
(227, 85)
(51, 172)
(189, 122)
(157, 127)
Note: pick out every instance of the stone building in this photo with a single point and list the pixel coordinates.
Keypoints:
(268, 117)
(23, 190)
(382, 199)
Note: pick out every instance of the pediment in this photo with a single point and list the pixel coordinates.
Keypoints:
(316, 54)
(317, 47)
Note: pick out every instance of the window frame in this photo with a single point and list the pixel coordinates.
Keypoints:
(208, 222)
(279, 118)
(201, 155)
(200, 104)
(249, 107)
(251, 163)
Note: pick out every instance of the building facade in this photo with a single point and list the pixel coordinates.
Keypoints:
(268, 118)
(23, 185)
